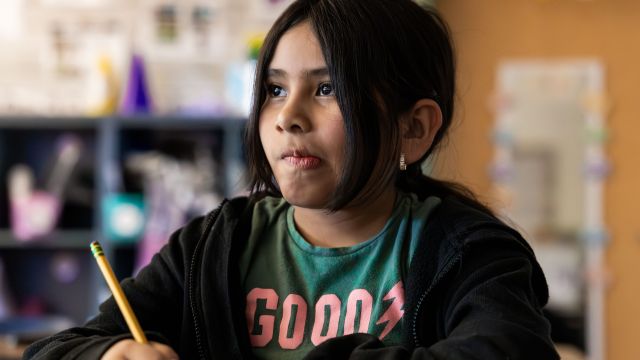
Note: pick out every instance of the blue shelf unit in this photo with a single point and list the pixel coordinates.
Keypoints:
(55, 276)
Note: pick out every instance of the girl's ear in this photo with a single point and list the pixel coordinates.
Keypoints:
(419, 126)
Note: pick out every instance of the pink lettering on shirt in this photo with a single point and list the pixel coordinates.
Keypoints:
(333, 302)
(394, 312)
(293, 313)
(265, 321)
(298, 328)
(366, 301)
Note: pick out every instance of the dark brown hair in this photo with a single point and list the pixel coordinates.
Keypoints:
(382, 56)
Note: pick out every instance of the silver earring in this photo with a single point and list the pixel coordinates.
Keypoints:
(403, 164)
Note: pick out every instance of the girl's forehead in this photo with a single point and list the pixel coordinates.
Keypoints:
(298, 50)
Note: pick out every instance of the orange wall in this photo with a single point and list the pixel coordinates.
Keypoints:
(487, 31)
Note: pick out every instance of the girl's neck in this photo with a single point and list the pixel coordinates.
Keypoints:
(346, 227)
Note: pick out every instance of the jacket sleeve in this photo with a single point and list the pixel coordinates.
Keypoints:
(156, 296)
(487, 308)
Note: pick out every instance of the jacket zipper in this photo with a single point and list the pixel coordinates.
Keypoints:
(194, 304)
(453, 261)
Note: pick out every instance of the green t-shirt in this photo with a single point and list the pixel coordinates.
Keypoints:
(299, 295)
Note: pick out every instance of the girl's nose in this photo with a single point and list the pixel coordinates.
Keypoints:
(293, 117)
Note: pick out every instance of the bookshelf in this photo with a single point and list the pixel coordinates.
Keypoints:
(55, 276)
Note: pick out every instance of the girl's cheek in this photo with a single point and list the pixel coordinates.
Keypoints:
(267, 116)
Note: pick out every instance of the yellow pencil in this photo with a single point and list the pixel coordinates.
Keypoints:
(118, 294)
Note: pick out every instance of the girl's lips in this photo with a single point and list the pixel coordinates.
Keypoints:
(303, 162)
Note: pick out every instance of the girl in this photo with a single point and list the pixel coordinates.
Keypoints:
(344, 248)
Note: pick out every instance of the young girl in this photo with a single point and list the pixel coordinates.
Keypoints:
(344, 249)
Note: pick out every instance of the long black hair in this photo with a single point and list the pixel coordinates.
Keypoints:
(382, 57)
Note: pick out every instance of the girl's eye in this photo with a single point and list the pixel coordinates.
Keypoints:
(325, 89)
(276, 91)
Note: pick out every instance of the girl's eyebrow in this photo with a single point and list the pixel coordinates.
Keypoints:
(319, 72)
(276, 73)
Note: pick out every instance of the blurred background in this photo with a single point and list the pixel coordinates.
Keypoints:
(111, 109)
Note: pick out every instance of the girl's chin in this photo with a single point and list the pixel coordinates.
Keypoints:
(308, 201)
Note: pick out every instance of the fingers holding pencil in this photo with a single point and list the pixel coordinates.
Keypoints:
(131, 350)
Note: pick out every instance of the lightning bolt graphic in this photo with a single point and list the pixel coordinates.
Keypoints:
(394, 312)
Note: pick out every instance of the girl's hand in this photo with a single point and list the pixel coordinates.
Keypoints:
(131, 350)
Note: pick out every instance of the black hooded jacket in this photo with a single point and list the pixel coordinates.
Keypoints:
(474, 291)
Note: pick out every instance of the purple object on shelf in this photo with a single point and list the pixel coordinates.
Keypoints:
(137, 99)
(35, 216)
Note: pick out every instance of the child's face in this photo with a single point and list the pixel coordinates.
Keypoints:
(301, 126)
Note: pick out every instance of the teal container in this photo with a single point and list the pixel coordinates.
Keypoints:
(123, 217)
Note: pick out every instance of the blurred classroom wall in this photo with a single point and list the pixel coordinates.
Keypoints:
(490, 31)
